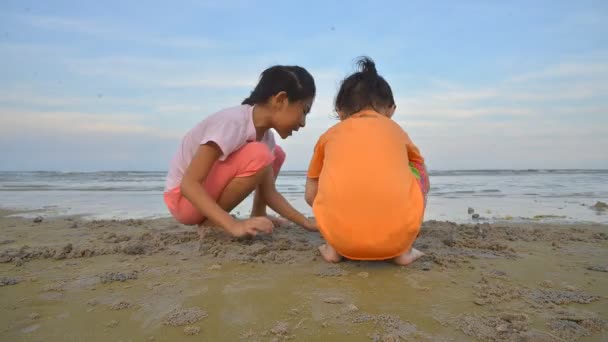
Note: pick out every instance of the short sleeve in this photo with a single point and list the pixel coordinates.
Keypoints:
(316, 163)
(228, 136)
(413, 153)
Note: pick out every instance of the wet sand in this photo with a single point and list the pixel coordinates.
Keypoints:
(68, 279)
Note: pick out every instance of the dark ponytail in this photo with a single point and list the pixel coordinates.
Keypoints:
(363, 89)
(294, 80)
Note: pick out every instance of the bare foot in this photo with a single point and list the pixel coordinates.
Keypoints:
(408, 257)
(277, 221)
(329, 253)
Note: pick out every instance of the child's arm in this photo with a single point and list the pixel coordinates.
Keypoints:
(314, 171)
(413, 153)
(415, 157)
(191, 188)
(312, 185)
(278, 203)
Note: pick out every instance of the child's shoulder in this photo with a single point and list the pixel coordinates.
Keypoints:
(332, 130)
(237, 115)
(232, 112)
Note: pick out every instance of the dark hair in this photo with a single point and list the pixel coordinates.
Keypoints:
(364, 88)
(294, 80)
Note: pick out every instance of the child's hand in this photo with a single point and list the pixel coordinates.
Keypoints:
(311, 225)
(251, 227)
(276, 220)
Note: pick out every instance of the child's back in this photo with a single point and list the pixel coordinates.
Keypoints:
(367, 181)
(368, 199)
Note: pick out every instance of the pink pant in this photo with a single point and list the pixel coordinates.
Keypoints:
(246, 161)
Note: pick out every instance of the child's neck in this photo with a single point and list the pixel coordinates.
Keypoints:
(262, 120)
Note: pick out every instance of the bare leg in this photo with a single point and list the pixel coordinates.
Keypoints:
(329, 253)
(259, 209)
(259, 205)
(235, 192)
(408, 257)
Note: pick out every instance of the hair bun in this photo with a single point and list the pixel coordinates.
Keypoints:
(367, 66)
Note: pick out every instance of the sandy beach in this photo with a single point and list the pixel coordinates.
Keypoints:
(70, 279)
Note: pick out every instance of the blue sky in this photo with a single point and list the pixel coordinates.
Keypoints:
(90, 85)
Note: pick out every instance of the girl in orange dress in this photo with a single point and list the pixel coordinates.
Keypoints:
(367, 182)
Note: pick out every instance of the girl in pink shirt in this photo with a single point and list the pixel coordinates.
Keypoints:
(232, 153)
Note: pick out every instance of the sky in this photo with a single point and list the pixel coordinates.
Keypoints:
(114, 85)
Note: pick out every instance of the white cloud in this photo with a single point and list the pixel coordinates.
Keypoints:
(528, 120)
(588, 18)
(114, 33)
(18, 122)
(173, 108)
(553, 90)
(216, 82)
(565, 70)
(67, 24)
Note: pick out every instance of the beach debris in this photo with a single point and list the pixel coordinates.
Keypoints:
(215, 267)
(571, 327)
(600, 206)
(6, 281)
(547, 284)
(350, 308)
(330, 270)
(471, 210)
(121, 305)
(58, 286)
(110, 277)
(363, 274)
(503, 327)
(63, 253)
(544, 217)
(179, 317)
(38, 219)
(333, 300)
(280, 329)
(559, 297)
(449, 241)
(30, 329)
(74, 225)
(600, 236)
(494, 292)
(192, 331)
(425, 265)
(34, 316)
(113, 238)
(112, 324)
(136, 248)
(598, 268)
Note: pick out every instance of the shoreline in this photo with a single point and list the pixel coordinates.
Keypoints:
(68, 278)
(486, 216)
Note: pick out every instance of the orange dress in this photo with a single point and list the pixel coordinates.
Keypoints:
(369, 205)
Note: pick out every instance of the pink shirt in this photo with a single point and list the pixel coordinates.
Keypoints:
(230, 129)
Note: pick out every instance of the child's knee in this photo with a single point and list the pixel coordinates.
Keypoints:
(279, 154)
(279, 159)
(255, 157)
(258, 151)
